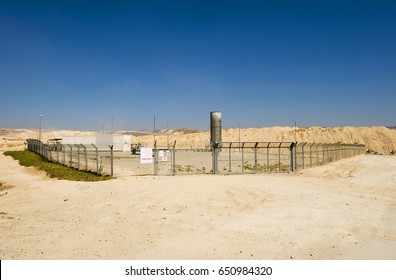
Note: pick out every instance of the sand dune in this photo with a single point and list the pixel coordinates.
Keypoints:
(377, 139)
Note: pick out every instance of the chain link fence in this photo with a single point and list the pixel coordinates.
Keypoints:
(230, 158)
(314, 154)
(255, 157)
(79, 156)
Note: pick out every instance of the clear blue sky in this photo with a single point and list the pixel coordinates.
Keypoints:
(261, 63)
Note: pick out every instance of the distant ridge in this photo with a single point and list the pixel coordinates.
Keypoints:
(179, 131)
(377, 139)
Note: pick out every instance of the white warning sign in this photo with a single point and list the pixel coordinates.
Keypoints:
(165, 155)
(146, 155)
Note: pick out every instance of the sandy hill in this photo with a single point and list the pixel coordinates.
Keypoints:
(377, 139)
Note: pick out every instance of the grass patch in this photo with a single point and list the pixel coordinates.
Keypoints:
(54, 170)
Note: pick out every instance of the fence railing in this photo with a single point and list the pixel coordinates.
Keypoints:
(79, 156)
(259, 157)
(230, 158)
(255, 157)
(314, 154)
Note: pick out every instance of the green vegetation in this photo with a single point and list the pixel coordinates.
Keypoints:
(53, 170)
(189, 169)
(265, 168)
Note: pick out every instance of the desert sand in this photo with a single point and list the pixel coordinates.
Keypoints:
(343, 210)
(378, 139)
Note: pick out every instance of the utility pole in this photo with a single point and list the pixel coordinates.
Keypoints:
(167, 134)
(154, 130)
(239, 137)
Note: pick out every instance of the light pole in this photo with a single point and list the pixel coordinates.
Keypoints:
(154, 131)
(167, 134)
(41, 116)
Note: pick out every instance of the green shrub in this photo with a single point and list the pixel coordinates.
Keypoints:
(53, 170)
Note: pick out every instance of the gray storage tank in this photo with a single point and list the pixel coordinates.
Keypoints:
(215, 128)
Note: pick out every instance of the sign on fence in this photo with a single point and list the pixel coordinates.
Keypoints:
(165, 155)
(146, 155)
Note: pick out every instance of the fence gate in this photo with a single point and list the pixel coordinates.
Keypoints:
(164, 161)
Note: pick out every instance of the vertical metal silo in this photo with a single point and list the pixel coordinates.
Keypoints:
(215, 129)
(215, 138)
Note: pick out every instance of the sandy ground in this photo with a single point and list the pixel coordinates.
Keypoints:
(344, 210)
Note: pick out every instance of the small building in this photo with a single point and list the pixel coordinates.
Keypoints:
(102, 141)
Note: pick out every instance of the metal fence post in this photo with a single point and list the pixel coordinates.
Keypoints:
(71, 155)
(292, 148)
(243, 157)
(111, 161)
(295, 157)
(155, 159)
(268, 162)
(97, 159)
(48, 153)
(78, 156)
(174, 158)
(229, 158)
(86, 157)
(329, 153)
(302, 155)
(64, 154)
(255, 157)
(279, 156)
(173, 165)
(57, 152)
